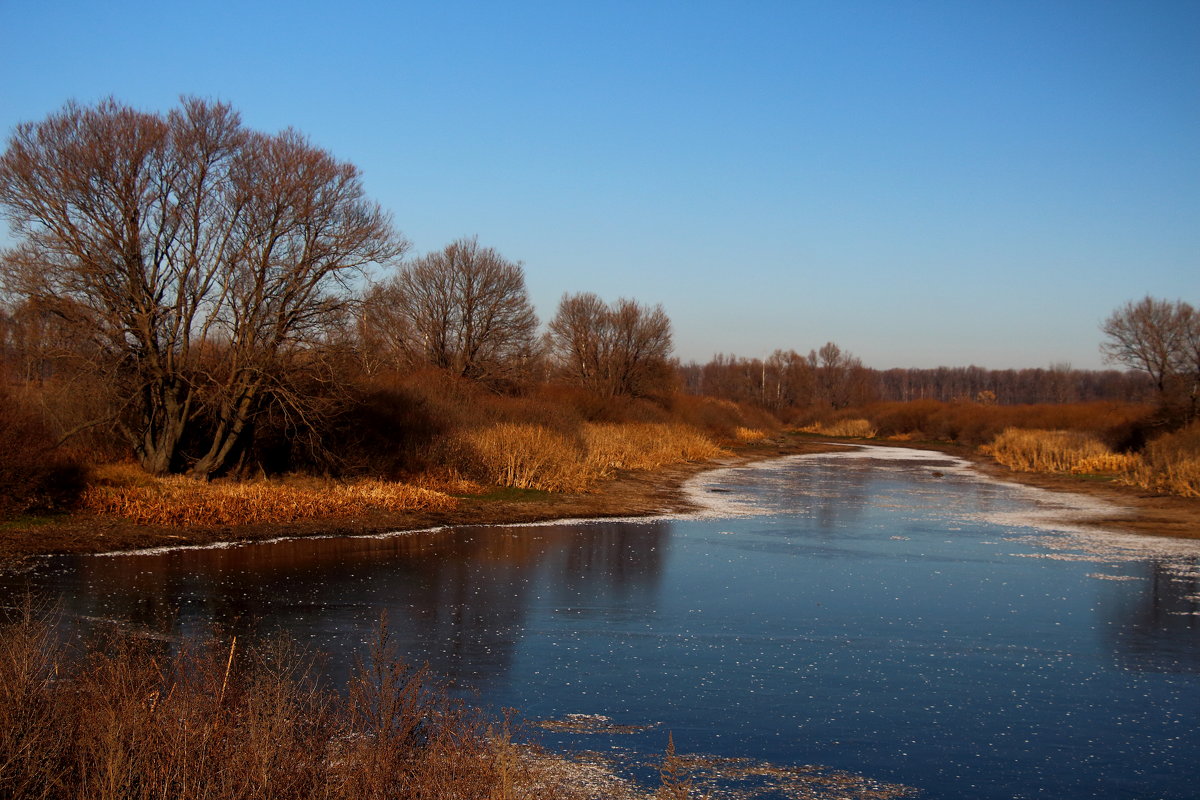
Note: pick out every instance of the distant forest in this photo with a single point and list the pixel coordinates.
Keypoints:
(831, 378)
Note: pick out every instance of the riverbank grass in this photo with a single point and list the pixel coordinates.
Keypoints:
(125, 491)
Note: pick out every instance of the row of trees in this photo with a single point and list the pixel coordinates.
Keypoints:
(199, 277)
(788, 380)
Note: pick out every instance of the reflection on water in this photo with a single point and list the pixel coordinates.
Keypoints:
(891, 616)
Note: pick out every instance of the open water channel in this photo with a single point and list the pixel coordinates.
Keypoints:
(882, 611)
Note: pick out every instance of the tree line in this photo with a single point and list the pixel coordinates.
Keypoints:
(788, 380)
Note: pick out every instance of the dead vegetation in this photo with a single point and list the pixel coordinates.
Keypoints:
(125, 491)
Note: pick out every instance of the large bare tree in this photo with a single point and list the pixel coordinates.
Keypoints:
(618, 349)
(464, 309)
(204, 258)
(1162, 339)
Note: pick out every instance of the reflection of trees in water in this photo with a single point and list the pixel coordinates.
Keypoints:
(457, 599)
(1152, 623)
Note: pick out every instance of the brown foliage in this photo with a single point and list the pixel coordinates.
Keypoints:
(34, 474)
(979, 423)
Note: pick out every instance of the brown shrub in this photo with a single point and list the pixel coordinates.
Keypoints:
(979, 423)
(34, 475)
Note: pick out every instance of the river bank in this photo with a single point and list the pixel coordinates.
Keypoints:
(631, 494)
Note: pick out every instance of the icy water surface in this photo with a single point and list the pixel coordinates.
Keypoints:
(886, 612)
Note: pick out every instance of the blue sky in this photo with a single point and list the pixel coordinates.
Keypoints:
(925, 183)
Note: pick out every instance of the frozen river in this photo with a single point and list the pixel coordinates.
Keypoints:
(882, 611)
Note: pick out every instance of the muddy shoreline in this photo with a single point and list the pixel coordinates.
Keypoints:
(632, 494)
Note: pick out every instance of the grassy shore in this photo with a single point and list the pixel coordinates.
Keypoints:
(628, 492)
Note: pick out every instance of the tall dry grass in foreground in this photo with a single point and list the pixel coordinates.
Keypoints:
(126, 491)
(218, 720)
(530, 456)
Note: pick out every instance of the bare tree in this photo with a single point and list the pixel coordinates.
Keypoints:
(1159, 338)
(622, 349)
(204, 257)
(464, 309)
(840, 379)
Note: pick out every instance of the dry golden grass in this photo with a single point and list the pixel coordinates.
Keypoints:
(843, 428)
(651, 445)
(749, 435)
(522, 455)
(1036, 450)
(126, 491)
(1170, 464)
(1106, 463)
(536, 457)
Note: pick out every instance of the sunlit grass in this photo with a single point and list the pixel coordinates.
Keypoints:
(843, 429)
(125, 491)
(749, 435)
(1170, 464)
(1035, 450)
(528, 456)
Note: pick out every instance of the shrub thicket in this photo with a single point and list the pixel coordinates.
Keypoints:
(34, 475)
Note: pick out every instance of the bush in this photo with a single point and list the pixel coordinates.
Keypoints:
(34, 475)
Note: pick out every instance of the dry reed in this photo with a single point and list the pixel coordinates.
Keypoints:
(611, 447)
(749, 435)
(535, 457)
(1170, 464)
(178, 501)
(843, 428)
(524, 456)
(1035, 450)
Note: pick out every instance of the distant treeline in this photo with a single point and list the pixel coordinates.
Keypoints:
(830, 378)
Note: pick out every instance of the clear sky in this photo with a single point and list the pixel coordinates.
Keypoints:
(925, 183)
